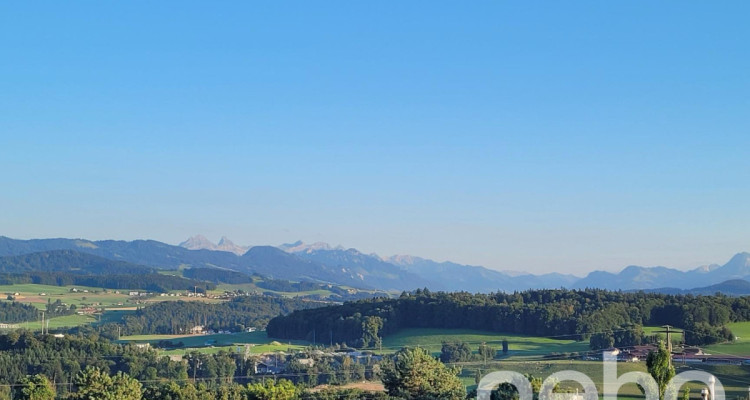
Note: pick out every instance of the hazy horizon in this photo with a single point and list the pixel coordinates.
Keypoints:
(520, 270)
(537, 137)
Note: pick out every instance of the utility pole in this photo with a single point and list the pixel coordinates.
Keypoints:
(669, 331)
(42, 322)
(195, 370)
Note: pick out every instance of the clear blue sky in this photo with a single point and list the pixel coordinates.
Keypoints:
(537, 136)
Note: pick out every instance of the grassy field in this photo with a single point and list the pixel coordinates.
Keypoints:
(651, 330)
(39, 295)
(253, 288)
(255, 349)
(518, 345)
(734, 378)
(543, 369)
(66, 321)
(221, 339)
(260, 343)
(740, 347)
(32, 294)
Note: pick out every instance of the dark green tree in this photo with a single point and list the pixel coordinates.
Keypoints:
(95, 384)
(413, 374)
(660, 367)
(281, 390)
(36, 387)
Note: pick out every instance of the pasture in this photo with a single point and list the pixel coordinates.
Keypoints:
(653, 330)
(734, 378)
(518, 345)
(740, 346)
(258, 341)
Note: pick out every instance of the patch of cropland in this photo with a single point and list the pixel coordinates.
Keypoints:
(567, 314)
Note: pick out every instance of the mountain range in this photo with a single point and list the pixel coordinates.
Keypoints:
(199, 242)
(320, 262)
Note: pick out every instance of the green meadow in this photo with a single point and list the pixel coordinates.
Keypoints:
(258, 341)
(518, 345)
(740, 346)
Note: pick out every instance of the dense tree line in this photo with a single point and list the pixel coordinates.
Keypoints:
(452, 352)
(574, 314)
(620, 337)
(95, 384)
(13, 312)
(87, 366)
(175, 317)
(60, 359)
(151, 281)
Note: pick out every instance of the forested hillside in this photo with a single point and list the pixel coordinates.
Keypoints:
(16, 312)
(70, 261)
(152, 282)
(179, 316)
(574, 314)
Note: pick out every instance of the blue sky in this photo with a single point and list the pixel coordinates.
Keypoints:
(553, 136)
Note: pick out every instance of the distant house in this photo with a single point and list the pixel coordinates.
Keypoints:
(86, 311)
(196, 330)
(250, 329)
(693, 350)
(133, 293)
(362, 357)
(306, 361)
(261, 368)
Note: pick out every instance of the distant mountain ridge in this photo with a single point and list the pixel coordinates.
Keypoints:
(199, 242)
(320, 262)
(476, 278)
(266, 260)
(452, 276)
(732, 287)
(641, 278)
(368, 267)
